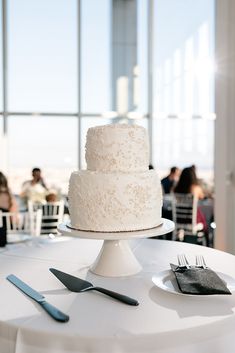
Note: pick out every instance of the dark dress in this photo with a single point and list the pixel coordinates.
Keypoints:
(167, 185)
(3, 230)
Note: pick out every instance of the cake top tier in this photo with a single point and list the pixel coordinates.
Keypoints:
(117, 147)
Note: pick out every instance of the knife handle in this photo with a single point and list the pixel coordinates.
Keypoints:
(122, 298)
(54, 312)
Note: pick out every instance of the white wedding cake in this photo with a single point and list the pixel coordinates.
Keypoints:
(117, 192)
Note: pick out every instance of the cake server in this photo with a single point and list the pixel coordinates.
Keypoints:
(39, 298)
(75, 284)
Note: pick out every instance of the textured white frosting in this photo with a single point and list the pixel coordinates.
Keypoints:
(109, 202)
(117, 147)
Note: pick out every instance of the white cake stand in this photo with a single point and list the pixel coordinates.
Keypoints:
(116, 258)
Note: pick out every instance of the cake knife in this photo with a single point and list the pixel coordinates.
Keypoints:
(39, 298)
(76, 284)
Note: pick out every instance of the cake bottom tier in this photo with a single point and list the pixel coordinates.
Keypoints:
(114, 202)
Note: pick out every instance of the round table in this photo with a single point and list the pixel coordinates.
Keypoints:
(162, 323)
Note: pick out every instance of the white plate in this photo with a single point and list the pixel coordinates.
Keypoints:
(166, 280)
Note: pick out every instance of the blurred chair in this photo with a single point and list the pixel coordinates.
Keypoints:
(184, 212)
(52, 215)
(21, 222)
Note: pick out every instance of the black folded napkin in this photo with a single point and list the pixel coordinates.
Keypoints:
(199, 281)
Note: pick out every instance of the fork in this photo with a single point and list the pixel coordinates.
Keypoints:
(182, 261)
(200, 261)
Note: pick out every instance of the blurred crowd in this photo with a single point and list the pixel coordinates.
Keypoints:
(178, 184)
(33, 189)
(36, 190)
(186, 181)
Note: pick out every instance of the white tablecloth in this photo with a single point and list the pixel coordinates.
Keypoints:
(162, 323)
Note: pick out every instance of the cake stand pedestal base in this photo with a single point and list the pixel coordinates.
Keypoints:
(116, 258)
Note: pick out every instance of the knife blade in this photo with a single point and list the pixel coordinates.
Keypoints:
(39, 298)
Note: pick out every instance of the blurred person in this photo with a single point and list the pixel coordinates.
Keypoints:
(7, 201)
(7, 204)
(205, 186)
(170, 180)
(35, 189)
(193, 167)
(188, 183)
(52, 196)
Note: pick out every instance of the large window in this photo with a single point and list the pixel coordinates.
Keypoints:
(42, 55)
(47, 142)
(141, 71)
(184, 142)
(57, 73)
(43, 42)
(96, 56)
(183, 98)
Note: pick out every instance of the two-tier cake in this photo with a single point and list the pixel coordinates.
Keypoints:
(117, 192)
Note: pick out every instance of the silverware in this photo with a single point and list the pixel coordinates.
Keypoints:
(182, 261)
(200, 261)
(76, 284)
(39, 298)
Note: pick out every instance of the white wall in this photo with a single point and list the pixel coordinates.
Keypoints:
(225, 126)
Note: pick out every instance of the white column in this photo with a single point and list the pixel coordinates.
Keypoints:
(225, 126)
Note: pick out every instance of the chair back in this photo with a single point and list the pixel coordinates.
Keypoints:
(21, 222)
(184, 211)
(52, 215)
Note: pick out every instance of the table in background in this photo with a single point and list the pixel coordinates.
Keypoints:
(162, 323)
